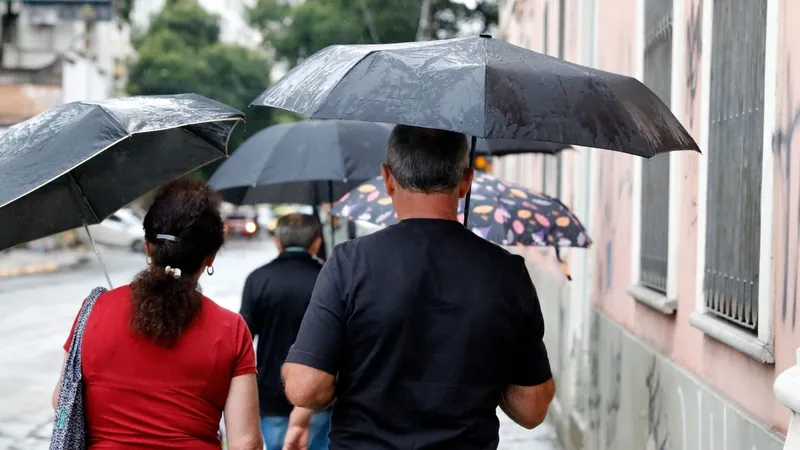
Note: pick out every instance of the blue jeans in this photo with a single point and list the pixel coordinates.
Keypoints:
(273, 428)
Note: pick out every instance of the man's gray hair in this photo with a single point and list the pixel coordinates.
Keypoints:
(427, 160)
(298, 230)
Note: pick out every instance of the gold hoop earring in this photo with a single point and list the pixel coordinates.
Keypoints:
(210, 270)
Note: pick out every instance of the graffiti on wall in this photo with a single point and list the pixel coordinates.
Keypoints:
(657, 429)
(614, 397)
(594, 400)
(783, 141)
(640, 401)
(694, 43)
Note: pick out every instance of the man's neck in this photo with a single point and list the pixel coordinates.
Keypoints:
(409, 205)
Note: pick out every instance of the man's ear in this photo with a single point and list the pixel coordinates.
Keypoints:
(466, 182)
(277, 242)
(315, 246)
(388, 179)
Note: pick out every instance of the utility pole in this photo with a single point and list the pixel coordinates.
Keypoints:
(425, 30)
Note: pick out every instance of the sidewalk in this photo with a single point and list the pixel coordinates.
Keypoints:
(512, 437)
(18, 262)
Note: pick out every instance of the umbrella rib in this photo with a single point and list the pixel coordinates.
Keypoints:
(485, 82)
(83, 194)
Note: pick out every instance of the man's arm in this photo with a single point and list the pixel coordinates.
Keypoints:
(527, 405)
(313, 361)
(531, 387)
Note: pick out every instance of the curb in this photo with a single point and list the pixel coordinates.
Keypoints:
(42, 268)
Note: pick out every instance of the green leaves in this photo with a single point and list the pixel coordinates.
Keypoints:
(181, 52)
(295, 31)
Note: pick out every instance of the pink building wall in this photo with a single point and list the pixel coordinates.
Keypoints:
(741, 379)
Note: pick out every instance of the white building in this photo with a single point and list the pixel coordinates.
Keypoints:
(60, 52)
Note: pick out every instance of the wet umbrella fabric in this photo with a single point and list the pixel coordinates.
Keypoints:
(501, 212)
(481, 87)
(79, 162)
(302, 162)
(505, 147)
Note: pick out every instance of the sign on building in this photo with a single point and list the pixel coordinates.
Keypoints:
(71, 10)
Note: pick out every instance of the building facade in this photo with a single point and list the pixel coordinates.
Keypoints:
(684, 311)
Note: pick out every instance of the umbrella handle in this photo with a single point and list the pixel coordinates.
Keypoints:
(97, 253)
(563, 264)
(469, 192)
(72, 186)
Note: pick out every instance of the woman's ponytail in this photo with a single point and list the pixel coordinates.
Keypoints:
(183, 230)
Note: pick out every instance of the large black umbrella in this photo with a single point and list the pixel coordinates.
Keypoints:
(79, 162)
(308, 162)
(484, 88)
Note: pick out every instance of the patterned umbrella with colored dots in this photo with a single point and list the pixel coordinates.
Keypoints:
(501, 212)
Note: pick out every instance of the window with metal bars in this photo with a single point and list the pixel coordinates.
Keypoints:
(736, 130)
(655, 171)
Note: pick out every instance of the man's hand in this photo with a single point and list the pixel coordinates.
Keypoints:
(297, 433)
(296, 438)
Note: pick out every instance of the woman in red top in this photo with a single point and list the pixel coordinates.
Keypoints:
(160, 361)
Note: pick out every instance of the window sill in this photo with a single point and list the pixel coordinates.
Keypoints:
(787, 387)
(653, 299)
(732, 336)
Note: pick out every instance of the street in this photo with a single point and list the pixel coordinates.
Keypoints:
(38, 312)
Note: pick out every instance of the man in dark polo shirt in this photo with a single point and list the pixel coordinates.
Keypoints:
(274, 301)
(421, 330)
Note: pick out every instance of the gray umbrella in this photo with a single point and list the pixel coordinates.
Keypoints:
(481, 87)
(79, 162)
(308, 162)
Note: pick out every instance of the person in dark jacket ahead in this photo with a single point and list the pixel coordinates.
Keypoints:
(421, 330)
(274, 301)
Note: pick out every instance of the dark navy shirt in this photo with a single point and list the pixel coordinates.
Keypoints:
(274, 300)
(425, 324)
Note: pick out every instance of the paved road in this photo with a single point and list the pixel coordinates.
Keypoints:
(38, 312)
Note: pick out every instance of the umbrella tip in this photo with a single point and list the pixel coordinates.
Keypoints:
(485, 35)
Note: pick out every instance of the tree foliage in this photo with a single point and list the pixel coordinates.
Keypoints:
(297, 30)
(181, 52)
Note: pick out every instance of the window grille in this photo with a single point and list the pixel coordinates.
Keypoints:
(735, 153)
(655, 171)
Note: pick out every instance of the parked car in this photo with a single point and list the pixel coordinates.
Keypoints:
(124, 228)
(241, 224)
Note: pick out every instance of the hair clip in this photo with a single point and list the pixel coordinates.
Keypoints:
(167, 237)
(174, 271)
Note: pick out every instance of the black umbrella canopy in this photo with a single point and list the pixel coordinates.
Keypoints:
(307, 162)
(79, 162)
(481, 87)
(504, 147)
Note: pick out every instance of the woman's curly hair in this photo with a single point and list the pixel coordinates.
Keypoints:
(163, 305)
